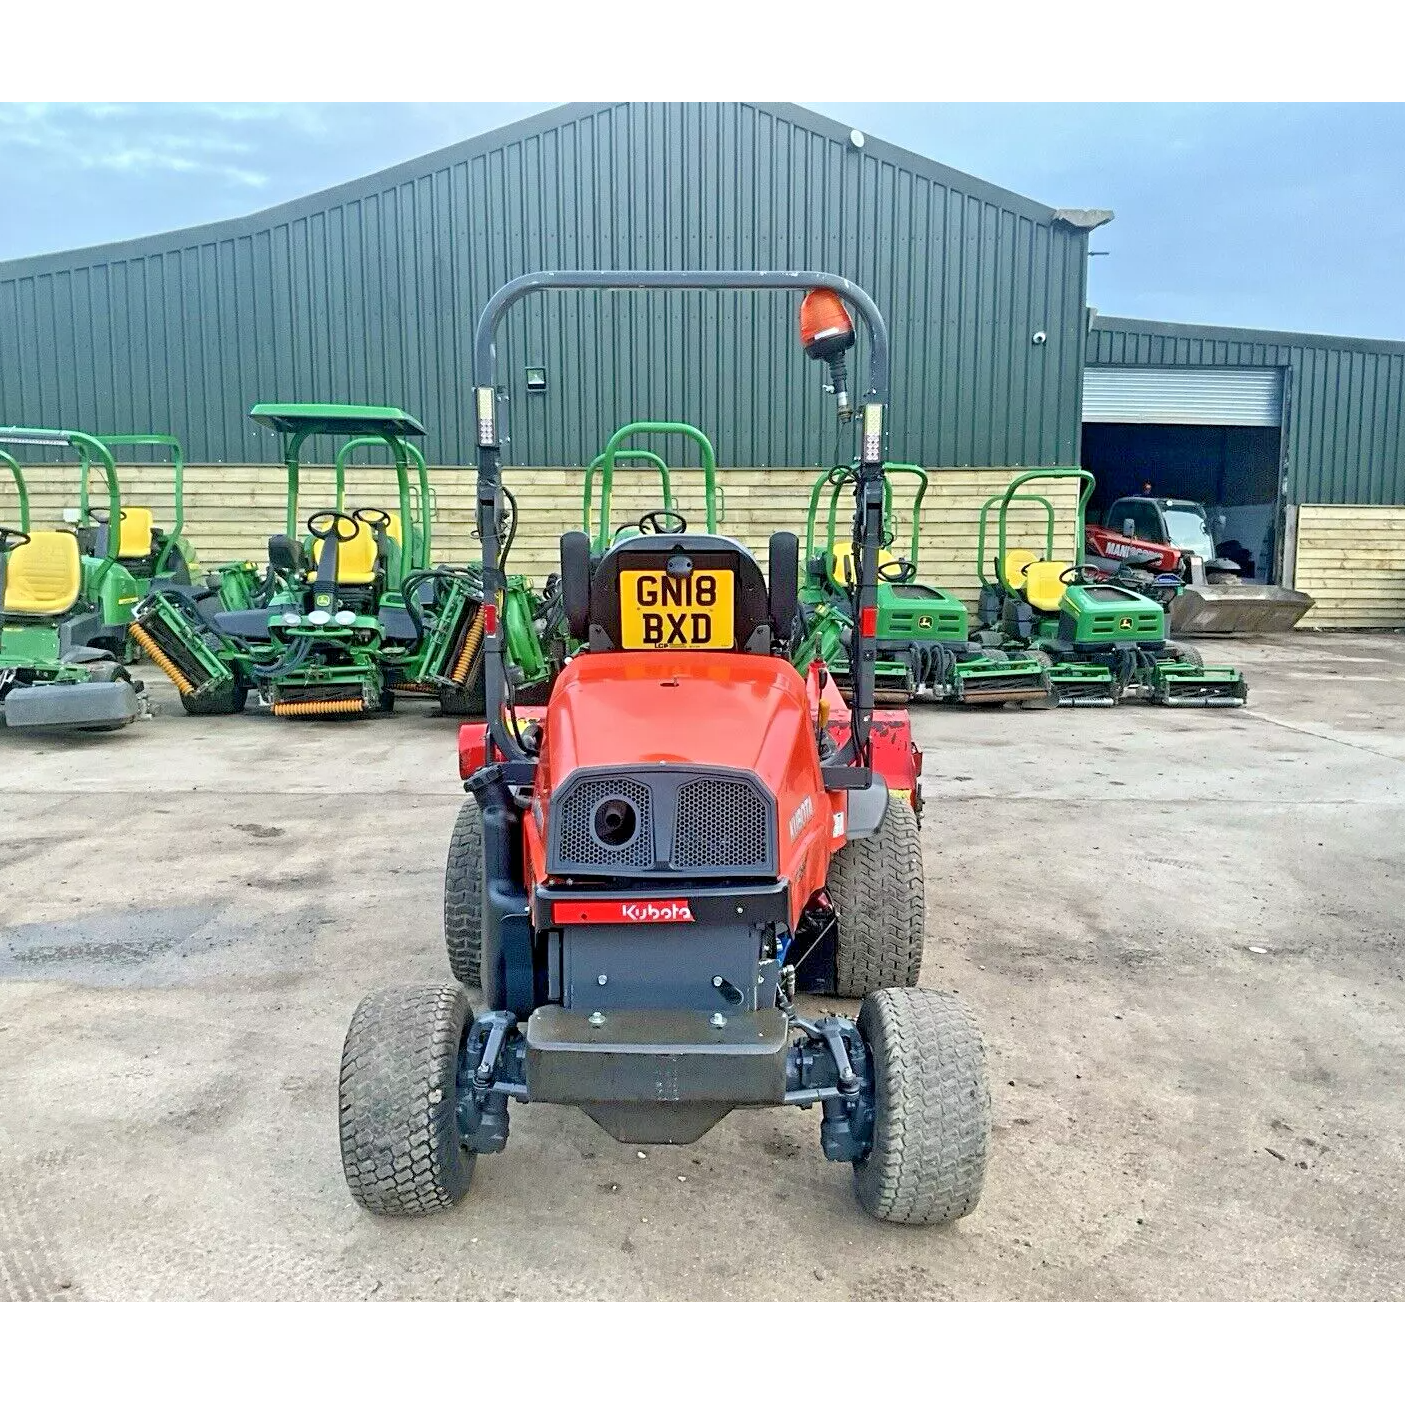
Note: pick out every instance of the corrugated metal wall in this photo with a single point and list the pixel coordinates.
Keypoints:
(1346, 411)
(369, 293)
(230, 511)
(1351, 560)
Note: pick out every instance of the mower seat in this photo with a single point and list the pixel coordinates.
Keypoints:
(844, 552)
(1042, 586)
(44, 575)
(394, 530)
(356, 558)
(1012, 568)
(134, 540)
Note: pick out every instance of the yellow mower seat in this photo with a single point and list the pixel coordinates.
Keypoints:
(394, 530)
(134, 540)
(1042, 586)
(844, 552)
(44, 575)
(356, 559)
(1013, 566)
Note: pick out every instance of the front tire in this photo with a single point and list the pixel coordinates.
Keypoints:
(400, 1145)
(463, 896)
(931, 1135)
(879, 895)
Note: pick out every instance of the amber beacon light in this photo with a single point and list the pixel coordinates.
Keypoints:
(826, 333)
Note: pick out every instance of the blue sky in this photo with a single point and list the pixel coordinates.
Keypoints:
(1280, 216)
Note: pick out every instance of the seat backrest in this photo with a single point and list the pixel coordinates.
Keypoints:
(134, 540)
(1042, 586)
(717, 601)
(1013, 565)
(394, 530)
(844, 553)
(356, 559)
(44, 575)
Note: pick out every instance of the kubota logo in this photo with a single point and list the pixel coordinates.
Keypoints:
(573, 913)
(804, 812)
(656, 912)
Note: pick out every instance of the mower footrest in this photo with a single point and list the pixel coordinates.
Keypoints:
(647, 1057)
(64, 705)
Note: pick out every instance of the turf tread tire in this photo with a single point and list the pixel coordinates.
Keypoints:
(1185, 653)
(879, 894)
(398, 1117)
(931, 1135)
(463, 896)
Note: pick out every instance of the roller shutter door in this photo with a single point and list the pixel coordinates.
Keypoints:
(1182, 395)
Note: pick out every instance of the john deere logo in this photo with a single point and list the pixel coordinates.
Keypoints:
(1125, 622)
(924, 621)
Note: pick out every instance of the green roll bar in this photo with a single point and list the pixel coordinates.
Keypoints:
(606, 461)
(153, 441)
(1012, 494)
(421, 487)
(87, 448)
(12, 464)
(588, 491)
(911, 469)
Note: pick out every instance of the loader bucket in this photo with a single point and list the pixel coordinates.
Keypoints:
(1240, 608)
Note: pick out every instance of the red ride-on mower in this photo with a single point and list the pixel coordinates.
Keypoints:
(653, 864)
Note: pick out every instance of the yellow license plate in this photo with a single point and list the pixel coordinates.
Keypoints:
(659, 611)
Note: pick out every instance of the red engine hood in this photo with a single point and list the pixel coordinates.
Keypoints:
(743, 711)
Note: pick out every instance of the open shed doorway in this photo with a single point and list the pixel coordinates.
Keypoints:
(1232, 469)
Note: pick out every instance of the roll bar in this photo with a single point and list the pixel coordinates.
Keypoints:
(613, 451)
(588, 488)
(868, 488)
(150, 441)
(1012, 494)
(12, 464)
(369, 441)
(87, 448)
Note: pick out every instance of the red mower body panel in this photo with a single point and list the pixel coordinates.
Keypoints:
(745, 713)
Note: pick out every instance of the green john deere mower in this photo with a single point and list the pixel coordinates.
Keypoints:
(64, 614)
(1103, 642)
(344, 615)
(923, 640)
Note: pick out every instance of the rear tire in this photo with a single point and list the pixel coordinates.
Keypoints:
(463, 896)
(879, 893)
(400, 1145)
(220, 702)
(1184, 653)
(931, 1135)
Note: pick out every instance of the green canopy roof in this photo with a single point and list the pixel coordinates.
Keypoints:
(337, 419)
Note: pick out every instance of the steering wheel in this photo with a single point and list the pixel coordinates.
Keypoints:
(658, 520)
(376, 518)
(101, 514)
(335, 521)
(897, 572)
(11, 538)
(1074, 575)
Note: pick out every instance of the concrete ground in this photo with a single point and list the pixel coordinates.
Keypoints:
(1181, 930)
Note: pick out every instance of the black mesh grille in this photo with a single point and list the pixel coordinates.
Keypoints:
(721, 824)
(581, 846)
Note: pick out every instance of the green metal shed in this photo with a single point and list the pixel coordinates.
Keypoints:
(368, 292)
